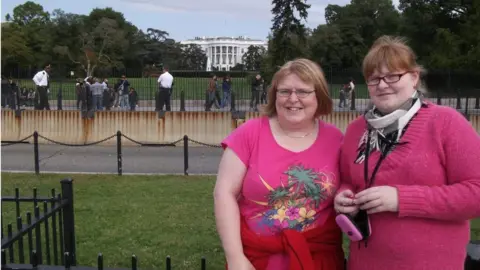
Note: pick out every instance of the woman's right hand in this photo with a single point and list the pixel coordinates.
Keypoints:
(343, 203)
(240, 263)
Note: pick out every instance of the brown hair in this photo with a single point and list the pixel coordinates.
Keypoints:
(393, 52)
(309, 72)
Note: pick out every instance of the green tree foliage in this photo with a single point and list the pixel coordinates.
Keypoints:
(289, 34)
(89, 44)
(444, 35)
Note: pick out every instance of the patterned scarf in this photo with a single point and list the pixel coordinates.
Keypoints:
(381, 126)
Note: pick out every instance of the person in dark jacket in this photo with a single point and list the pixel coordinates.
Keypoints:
(227, 91)
(257, 88)
(132, 98)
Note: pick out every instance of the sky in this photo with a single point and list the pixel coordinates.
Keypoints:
(186, 19)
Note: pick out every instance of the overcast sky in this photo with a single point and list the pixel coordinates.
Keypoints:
(184, 19)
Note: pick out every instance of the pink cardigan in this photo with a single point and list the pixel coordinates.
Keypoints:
(437, 174)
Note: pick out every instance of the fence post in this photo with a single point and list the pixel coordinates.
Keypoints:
(459, 102)
(206, 100)
(477, 100)
(182, 101)
(185, 155)
(352, 102)
(439, 97)
(119, 152)
(18, 112)
(232, 102)
(466, 109)
(59, 99)
(35, 153)
(69, 220)
(473, 255)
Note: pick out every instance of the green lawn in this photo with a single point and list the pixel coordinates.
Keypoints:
(194, 88)
(149, 216)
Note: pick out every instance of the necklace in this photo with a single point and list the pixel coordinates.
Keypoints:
(297, 137)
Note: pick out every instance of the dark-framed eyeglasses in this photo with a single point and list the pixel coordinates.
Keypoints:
(300, 93)
(388, 79)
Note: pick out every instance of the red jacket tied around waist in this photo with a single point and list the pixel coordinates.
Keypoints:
(316, 249)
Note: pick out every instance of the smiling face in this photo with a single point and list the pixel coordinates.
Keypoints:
(296, 100)
(394, 88)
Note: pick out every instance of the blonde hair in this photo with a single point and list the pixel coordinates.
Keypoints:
(309, 72)
(395, 54)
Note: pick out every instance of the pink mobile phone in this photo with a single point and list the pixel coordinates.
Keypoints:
(357, 228)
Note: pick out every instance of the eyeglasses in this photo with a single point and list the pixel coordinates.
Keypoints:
(390, 78)
(300, 93)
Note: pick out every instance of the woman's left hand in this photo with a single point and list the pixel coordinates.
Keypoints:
(378, 199)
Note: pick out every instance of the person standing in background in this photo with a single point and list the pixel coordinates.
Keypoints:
(227, 91)
(257, 87)
(123, 92)
(165, 81)
(212, 87)
(133, 98)
(41, 80)
(97, 94)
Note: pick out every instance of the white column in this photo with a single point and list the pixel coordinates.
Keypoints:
(208, 50)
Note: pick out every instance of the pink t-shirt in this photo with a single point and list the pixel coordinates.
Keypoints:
(284, 189)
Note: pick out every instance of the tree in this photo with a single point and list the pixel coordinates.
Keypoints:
(97, 47)
(15, 45)
(35, 25)
(253, 57)
(289, 33)
(194, 58)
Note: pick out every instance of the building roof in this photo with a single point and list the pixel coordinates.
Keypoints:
(240, 38)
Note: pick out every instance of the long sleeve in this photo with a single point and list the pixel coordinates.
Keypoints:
(459, 199)
(345, 176)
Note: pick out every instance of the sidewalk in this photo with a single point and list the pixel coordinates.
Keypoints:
(103, 159)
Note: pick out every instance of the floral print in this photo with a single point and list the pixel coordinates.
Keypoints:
(293, 204)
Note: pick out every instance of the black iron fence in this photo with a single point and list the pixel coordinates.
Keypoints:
(57, 220)
(55, 248)
(67, 265)
(459, 89)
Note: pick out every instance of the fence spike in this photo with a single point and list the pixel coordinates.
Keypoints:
(204, 263)
(66, 257)
(100, 261)
(4, 257)
(169, 263)
(34, 258)
(134, 262)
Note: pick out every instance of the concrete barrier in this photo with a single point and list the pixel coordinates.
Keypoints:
(146, 127)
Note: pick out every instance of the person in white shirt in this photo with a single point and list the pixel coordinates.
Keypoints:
(351, 87)
(41, 80)
(165, 82)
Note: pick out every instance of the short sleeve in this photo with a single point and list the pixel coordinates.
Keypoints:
(242, 140)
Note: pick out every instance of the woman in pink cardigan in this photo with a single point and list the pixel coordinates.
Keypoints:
(418, 181)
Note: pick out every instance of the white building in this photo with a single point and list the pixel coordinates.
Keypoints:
(224, 52)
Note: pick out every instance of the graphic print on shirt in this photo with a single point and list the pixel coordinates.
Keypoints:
(293, 204)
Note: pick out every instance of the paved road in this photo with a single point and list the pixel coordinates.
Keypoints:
(103, 159)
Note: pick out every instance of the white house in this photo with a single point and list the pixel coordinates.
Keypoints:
(224, 52)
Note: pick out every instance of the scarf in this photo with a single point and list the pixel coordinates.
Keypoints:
(380, 126)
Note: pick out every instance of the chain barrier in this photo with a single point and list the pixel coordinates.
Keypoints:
(174, 143)
(205, 144)
(152, 144)
(17, 142)
(76, 145)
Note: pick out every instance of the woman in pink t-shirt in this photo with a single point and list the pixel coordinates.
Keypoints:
(278, 176)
